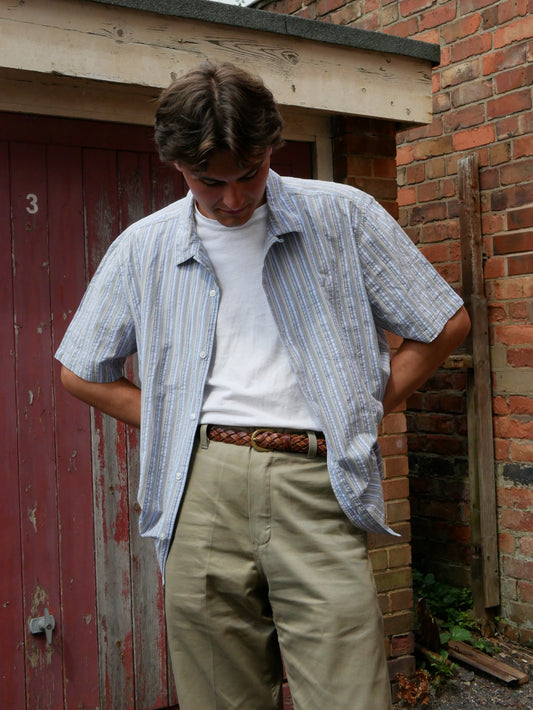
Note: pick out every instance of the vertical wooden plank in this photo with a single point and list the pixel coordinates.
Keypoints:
(167, 186)
(483, 467)
(36, 453)
(117, 691)
(12, 673)
(151, 680)
(73, 437)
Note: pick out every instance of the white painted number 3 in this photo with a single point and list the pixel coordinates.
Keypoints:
(33, 207)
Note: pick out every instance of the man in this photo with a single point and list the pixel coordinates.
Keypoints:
(257, 305)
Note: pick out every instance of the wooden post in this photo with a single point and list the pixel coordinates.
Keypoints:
(481, 448)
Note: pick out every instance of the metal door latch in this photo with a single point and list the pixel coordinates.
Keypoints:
(43, 624)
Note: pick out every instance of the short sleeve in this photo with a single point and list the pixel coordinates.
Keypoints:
(407, 294)
(102, 333)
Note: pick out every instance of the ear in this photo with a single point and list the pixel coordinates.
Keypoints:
(177, 166)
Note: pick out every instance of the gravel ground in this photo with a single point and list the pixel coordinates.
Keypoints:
(473, 690)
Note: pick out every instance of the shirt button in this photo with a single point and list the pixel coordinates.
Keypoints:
(212, 293)
(192, 415)
(162, 537)
(203, 354)
(179, 476)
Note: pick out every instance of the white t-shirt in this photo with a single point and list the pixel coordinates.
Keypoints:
(250, 382)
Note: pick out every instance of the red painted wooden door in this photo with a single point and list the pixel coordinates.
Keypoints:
(69, 539)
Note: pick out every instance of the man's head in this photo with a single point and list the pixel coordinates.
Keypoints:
(216, 108)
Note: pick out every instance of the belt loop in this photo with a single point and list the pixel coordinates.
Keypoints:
(313, 446)
(204, 441)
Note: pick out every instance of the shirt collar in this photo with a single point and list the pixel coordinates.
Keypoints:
(283, 220)
(284, 214)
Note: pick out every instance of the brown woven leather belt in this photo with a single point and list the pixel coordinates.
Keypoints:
(268, 440)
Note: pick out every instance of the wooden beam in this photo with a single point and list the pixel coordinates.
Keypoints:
(480, 435)
(87, 40)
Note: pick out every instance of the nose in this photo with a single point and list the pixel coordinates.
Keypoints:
(233, 196)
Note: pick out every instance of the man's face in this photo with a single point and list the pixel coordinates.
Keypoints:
(227, 191)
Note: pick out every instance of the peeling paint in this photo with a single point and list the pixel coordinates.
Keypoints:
(30, 397)
(40, 598)
(32, 516)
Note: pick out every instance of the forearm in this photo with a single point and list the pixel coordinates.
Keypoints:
(415, 362)
(120, 399)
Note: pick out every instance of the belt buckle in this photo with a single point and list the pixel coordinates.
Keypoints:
(254, 443)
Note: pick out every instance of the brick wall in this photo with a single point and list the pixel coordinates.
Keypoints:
(364, 156)
(482, 104)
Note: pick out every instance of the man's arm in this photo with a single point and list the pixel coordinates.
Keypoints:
(415, 362)
(121, 399)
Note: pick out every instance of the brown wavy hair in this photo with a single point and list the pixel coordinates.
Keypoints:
(216, 107)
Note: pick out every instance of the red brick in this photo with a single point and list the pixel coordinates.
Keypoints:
(462, 28)
(497, 314)
(473, 46)
(438, 15)
(513, 79)
(434, 147)
(506, 543)
(502, 449)
(526, 546)
(521, 498)
(508, 104)
(471, 93)
(404, 155)
(503, 59)
(474, 137)
(525, 592)
(520, 358)
(379, 559)
(521, 451)
(514, 32)
(521, 569)
(510, 9)
(494, 267)
(406, 196)
(516, 172)
(519, 312)
(394, 423)
(522, 147)
(398, 623)
(517, 520)
(409, 7)
(521, 405)
(403, 645)
(513, 242)
(393, 445)
(395, 488)
(460, 73)
(325, 6)
(428, 191)
(519, 287)
(396, 466)
(513, 196)
(500, 153)
(520, 218)
(400, 555)
(514, 334)
(470, 116)
(397, 511)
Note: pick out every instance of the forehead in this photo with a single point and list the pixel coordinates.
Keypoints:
(223, 165)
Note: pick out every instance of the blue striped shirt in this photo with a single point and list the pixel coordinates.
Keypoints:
(338, 271)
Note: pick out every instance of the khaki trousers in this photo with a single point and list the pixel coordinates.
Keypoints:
(265, 563)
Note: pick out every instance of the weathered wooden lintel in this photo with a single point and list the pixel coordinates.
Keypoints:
(88, 40)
